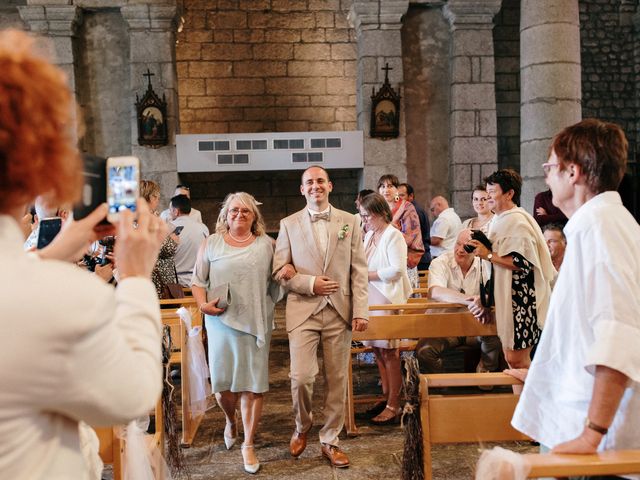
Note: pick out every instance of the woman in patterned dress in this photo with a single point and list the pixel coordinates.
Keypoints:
(522, 269)
(405, 219)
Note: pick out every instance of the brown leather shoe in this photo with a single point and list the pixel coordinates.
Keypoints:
(336, 456)
(298, 443)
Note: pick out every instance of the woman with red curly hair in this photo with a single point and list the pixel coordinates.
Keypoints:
(76, 349)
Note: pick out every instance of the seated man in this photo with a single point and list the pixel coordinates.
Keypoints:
(191, 237)
(455, 277)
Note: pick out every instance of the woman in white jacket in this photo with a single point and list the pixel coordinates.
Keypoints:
(386, 252)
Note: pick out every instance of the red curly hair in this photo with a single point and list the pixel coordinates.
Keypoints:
(38, 154)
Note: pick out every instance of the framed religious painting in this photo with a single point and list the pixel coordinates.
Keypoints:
(152, 117)
(385, 110)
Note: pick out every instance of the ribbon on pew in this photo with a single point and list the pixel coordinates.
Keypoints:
(198, 370)
(501, 464)
(140, 456)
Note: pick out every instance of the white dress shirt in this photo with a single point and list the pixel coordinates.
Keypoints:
(446, 226)
(321, 231)
(593, 319)
(191, 238)
(445, 272)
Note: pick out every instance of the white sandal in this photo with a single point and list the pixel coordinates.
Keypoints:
(250, 467)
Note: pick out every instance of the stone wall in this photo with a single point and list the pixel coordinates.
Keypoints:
(425, 47)
(9, 15)
(266, 65)
(608, 64)
(506, 37)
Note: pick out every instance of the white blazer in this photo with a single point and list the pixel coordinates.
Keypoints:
(390, 261)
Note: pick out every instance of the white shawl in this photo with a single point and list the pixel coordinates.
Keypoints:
(516, 231)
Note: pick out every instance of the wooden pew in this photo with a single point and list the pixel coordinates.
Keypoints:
(412, 325)
(190, 423)
(487, 418)
(112, 448)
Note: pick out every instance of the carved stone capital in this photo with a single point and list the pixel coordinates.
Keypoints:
(376, 15)
(149, 17)
(54, 20)
(476, 14)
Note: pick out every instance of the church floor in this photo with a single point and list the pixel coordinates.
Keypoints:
(375, 454)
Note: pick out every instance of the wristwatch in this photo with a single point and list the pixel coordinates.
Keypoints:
(490, 256)
(596, 428)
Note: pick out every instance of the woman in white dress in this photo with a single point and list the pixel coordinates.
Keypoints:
(239, 255)
(386, 252)
(480, 201)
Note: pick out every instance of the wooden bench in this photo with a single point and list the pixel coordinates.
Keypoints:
(487, 418)
(190, 422)
(412, 325)
(112, 448)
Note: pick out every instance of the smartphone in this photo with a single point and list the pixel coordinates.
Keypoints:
(94, 190)
(123, 183)
(178, 229)
(48, 228)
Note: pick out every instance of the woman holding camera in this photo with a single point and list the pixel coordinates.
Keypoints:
(522, 269)
(83, 351)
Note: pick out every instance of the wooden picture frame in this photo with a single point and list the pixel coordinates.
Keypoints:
(152, 117)
(385, 110)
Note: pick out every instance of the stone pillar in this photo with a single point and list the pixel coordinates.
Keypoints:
(550, 88)
(377, 26)
(152, 46)
(57, 23)
(473, 145)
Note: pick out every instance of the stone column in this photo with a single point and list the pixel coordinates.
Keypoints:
(57, 22)
(550, 88)
(152, 46)
(377, 26)
(473, 145)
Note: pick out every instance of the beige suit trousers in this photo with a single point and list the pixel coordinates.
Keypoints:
(328, 328)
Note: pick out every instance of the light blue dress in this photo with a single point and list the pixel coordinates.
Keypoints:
(239, 338)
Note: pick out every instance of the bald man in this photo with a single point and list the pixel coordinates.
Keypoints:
(445, 227)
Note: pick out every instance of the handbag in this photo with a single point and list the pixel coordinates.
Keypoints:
(173, 290)
(221, 292)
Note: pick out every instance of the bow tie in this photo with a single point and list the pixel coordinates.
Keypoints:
(320, 216)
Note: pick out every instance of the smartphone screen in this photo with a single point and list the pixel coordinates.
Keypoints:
(48, 228)
(178, 229)
(122, 187)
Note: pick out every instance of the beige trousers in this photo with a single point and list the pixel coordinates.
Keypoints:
(328, 328)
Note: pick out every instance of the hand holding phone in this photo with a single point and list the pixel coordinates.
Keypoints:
(178, 229)
(123, 185)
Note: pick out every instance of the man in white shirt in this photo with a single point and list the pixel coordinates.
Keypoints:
(191, 237)
(182, 190)
(582, 391)
(445, 227)
(455, 277)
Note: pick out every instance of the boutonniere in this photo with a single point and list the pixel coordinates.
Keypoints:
(343, 232)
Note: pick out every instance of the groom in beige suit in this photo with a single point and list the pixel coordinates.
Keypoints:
(327, 299)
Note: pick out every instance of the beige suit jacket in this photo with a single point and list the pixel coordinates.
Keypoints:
(346, 264)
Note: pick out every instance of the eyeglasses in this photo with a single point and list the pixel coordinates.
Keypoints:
(365, 217)
(546, 167)
(244, 211)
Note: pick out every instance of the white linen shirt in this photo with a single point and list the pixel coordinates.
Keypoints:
(445, 272)
(593, 319)
(446, 226)
(74, 349)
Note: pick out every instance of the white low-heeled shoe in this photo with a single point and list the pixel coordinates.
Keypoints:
(230, 441)
(248, 467)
